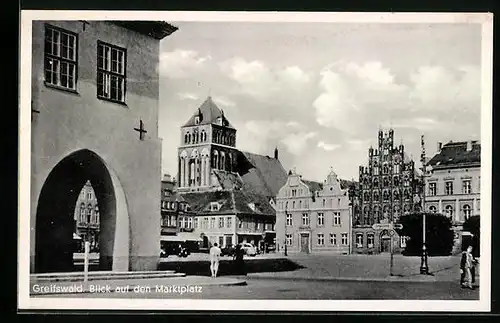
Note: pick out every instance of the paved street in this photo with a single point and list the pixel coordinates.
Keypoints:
(274, 289)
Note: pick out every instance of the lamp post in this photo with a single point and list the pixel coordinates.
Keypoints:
(424, 267)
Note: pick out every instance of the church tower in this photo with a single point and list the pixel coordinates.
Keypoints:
(208, 142)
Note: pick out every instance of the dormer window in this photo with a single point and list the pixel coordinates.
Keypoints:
(251, 206)
(219, 121)
(214, 206)
(197, 120)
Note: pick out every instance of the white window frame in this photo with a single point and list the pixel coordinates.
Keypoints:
(289, 219)
(305, 219)
(336, 219)
(370, 236)
(321, 239)
(359, 240)
(333, 239)
(289, 239)
(345, 239)
(111, 72)
(432, 189)
(448, 188)
(321, 219)
(58, 61)
(466, 186)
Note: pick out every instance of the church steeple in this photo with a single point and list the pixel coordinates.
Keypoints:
(276, 153)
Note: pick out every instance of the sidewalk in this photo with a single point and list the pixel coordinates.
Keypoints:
(324, 267)
(179, 284)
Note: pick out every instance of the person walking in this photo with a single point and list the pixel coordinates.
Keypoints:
(239, 263)
(214, 259)
(462, 267)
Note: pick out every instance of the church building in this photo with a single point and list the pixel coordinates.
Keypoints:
(232, 192)
(388, 186)
(94, 107)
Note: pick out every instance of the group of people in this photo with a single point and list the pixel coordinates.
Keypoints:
(468, 269)
(238, 262)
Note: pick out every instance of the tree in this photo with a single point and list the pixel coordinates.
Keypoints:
(472, 225)
(438, 236)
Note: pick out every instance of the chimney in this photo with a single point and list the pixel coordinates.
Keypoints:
(439, 146)
(469, 145)
(276, 153)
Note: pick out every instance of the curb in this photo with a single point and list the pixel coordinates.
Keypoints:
(236, 282)
(393, 279)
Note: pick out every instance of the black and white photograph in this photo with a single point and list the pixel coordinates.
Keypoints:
(255, 161)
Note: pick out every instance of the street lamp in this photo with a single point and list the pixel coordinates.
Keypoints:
(424, 267)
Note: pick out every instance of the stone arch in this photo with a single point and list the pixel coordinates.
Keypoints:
(215, 159)
(222, 160)
(183, 168)
(55, 214)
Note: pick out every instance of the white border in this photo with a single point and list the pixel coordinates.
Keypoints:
(24, 300)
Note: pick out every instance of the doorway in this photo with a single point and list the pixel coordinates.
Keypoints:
(385, 244)
(54, 228)
(304, 242)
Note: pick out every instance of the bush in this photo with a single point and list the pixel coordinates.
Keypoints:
(472, 225)
(439, 234)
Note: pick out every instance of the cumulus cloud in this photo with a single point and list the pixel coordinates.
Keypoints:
(327, 147)
(223, 101)
(296, 143)
(257, 79)
(180, 63)
(188, 96)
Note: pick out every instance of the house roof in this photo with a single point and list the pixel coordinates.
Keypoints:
(155, 29)
(313, 185)
(230, 201)
(263, 175)
(228, 180)
(455, 154)
(208, 113)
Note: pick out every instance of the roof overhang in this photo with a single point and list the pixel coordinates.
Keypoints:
(155, 29)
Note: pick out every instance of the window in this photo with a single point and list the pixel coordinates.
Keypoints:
(432, 209)
(293, 205)
(448, 188)
(197, 121)
(344, 239)
(397, 168)
(375, 170)
(229, 222)
(240, 224)
(333, 239)
(60, 55)
(212, 222)
(89, 213)
(432, 189)
(467, 211)
(221, 222)
(321, 219)
(111, 71)
(321, 239)
(89, 195)
(336, 218)
(205, 223)
(449, 210)
(288, 239)
(214, 206)
(289, 219)
(402, 241)
(466, 187)
(324, 202)
(82, 213)
(370, 238)
(195, 223)
(359, 240)
(305, 219)
(294, 193)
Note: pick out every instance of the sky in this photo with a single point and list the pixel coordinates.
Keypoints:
(320, 92)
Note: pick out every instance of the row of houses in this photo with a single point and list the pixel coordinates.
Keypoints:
(228, 196)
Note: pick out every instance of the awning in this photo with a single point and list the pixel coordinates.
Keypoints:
(249, 233)
(182, 237)
(76, 237)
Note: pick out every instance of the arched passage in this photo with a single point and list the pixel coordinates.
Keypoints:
(55, 214)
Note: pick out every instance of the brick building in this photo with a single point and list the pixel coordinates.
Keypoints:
(387, 189)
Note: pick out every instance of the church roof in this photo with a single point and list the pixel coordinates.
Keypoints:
(208, 113)
(228, 180)
(263, 175)
(455, 154)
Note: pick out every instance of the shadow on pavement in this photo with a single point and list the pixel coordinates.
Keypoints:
(227, 267)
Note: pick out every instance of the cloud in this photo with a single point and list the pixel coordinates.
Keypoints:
(181, 63)
(256, 79)
(327, 147)
(188, 96)
(296, 143)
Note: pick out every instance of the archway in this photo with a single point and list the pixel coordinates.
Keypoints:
(55, 213)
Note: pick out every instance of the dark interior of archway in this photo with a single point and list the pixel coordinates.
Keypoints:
(56, 209)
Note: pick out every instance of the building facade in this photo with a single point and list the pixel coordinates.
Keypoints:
(94, 106)
(453, 183)
(387, 189)
(230, 191)
(313, 217)
(87, 218)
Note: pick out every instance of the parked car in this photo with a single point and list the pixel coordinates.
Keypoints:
(249, 249)
(228, 251)
(174, 249)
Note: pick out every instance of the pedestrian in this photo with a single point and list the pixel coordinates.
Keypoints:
(468, 265)
(239, 263)
(462, 267)
(214, 259)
